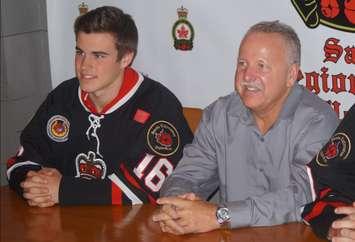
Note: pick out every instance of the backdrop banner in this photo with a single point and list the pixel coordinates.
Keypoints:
(191, 46)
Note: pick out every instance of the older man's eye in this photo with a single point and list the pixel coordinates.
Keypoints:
(242, 64)
(263, 67)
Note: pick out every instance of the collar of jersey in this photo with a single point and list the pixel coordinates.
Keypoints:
(131, 82)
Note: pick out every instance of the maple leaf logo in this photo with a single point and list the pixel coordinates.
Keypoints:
(183, 32)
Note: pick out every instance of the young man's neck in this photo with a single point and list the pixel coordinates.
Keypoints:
(103, 97)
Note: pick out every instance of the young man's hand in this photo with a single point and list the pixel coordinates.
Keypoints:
(41, 188)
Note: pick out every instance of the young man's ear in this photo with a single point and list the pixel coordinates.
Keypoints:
(127, 59)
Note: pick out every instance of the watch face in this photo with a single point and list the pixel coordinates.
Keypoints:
(222, 215)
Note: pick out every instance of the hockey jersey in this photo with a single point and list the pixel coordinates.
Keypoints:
(333, 177)
(121, 155)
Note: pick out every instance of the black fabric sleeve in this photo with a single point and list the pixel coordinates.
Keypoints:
(320, 214)
(333, 175)
(33, 151)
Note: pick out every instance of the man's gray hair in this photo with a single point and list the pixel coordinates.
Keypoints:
(286, 31)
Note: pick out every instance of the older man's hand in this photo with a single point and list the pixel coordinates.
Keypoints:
(186, 214)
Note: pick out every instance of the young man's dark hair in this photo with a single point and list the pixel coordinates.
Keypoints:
(112, 20)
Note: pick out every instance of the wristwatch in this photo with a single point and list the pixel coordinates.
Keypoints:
(223, 215)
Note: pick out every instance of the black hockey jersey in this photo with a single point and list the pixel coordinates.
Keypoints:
(119, 156)
(333, 177)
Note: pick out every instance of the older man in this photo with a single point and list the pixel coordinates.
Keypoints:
(253, 144)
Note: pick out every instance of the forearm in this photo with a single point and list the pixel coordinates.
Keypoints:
(189, 177)
(320, 214)
(269, 209)
(18, 175)
(75, 191)
(111, 190)
(175, 186)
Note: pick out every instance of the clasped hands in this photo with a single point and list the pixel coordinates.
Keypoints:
(41, 188)
(185, 214)
(343, 230)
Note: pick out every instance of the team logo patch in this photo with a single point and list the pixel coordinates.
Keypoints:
(89, 167)
(183, 32)
(163, 138)
(58, 128)
(338, 147)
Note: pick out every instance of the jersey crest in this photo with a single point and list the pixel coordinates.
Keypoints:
(338, 147)
(90, 167)
(58, 128)
(163, 138)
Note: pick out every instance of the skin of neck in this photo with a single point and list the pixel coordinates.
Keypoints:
(100, 100)
(266, 119)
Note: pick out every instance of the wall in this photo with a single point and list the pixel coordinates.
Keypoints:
(206, 72)
(25, 73)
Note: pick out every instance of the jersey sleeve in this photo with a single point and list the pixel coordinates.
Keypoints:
(333, 177)
(320, 213)
(33, 151)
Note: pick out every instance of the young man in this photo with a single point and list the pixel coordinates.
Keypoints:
(253, 144)
(108, 136)
(333, 183)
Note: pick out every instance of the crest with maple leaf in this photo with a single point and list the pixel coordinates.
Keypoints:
(183, 32)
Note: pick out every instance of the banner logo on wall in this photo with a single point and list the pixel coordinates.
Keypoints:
(83, 8)
(337, 14)
(183, 32)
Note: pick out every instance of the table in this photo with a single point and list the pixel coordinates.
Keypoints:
(22, 223)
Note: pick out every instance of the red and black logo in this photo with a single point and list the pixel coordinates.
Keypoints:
(88, 167)
(58, 128)
(163, 138)
(338, 147)
(337, 14)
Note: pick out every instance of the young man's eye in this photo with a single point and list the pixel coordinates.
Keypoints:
(99, 56)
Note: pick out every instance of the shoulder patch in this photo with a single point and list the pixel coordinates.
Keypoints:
(58, 128)
(338, 147)
(163, 138)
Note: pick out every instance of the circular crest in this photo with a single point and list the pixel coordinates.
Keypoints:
(163, 138)
(338, 147)
(58, 128)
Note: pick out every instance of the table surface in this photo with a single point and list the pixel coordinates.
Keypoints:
(20, 222)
